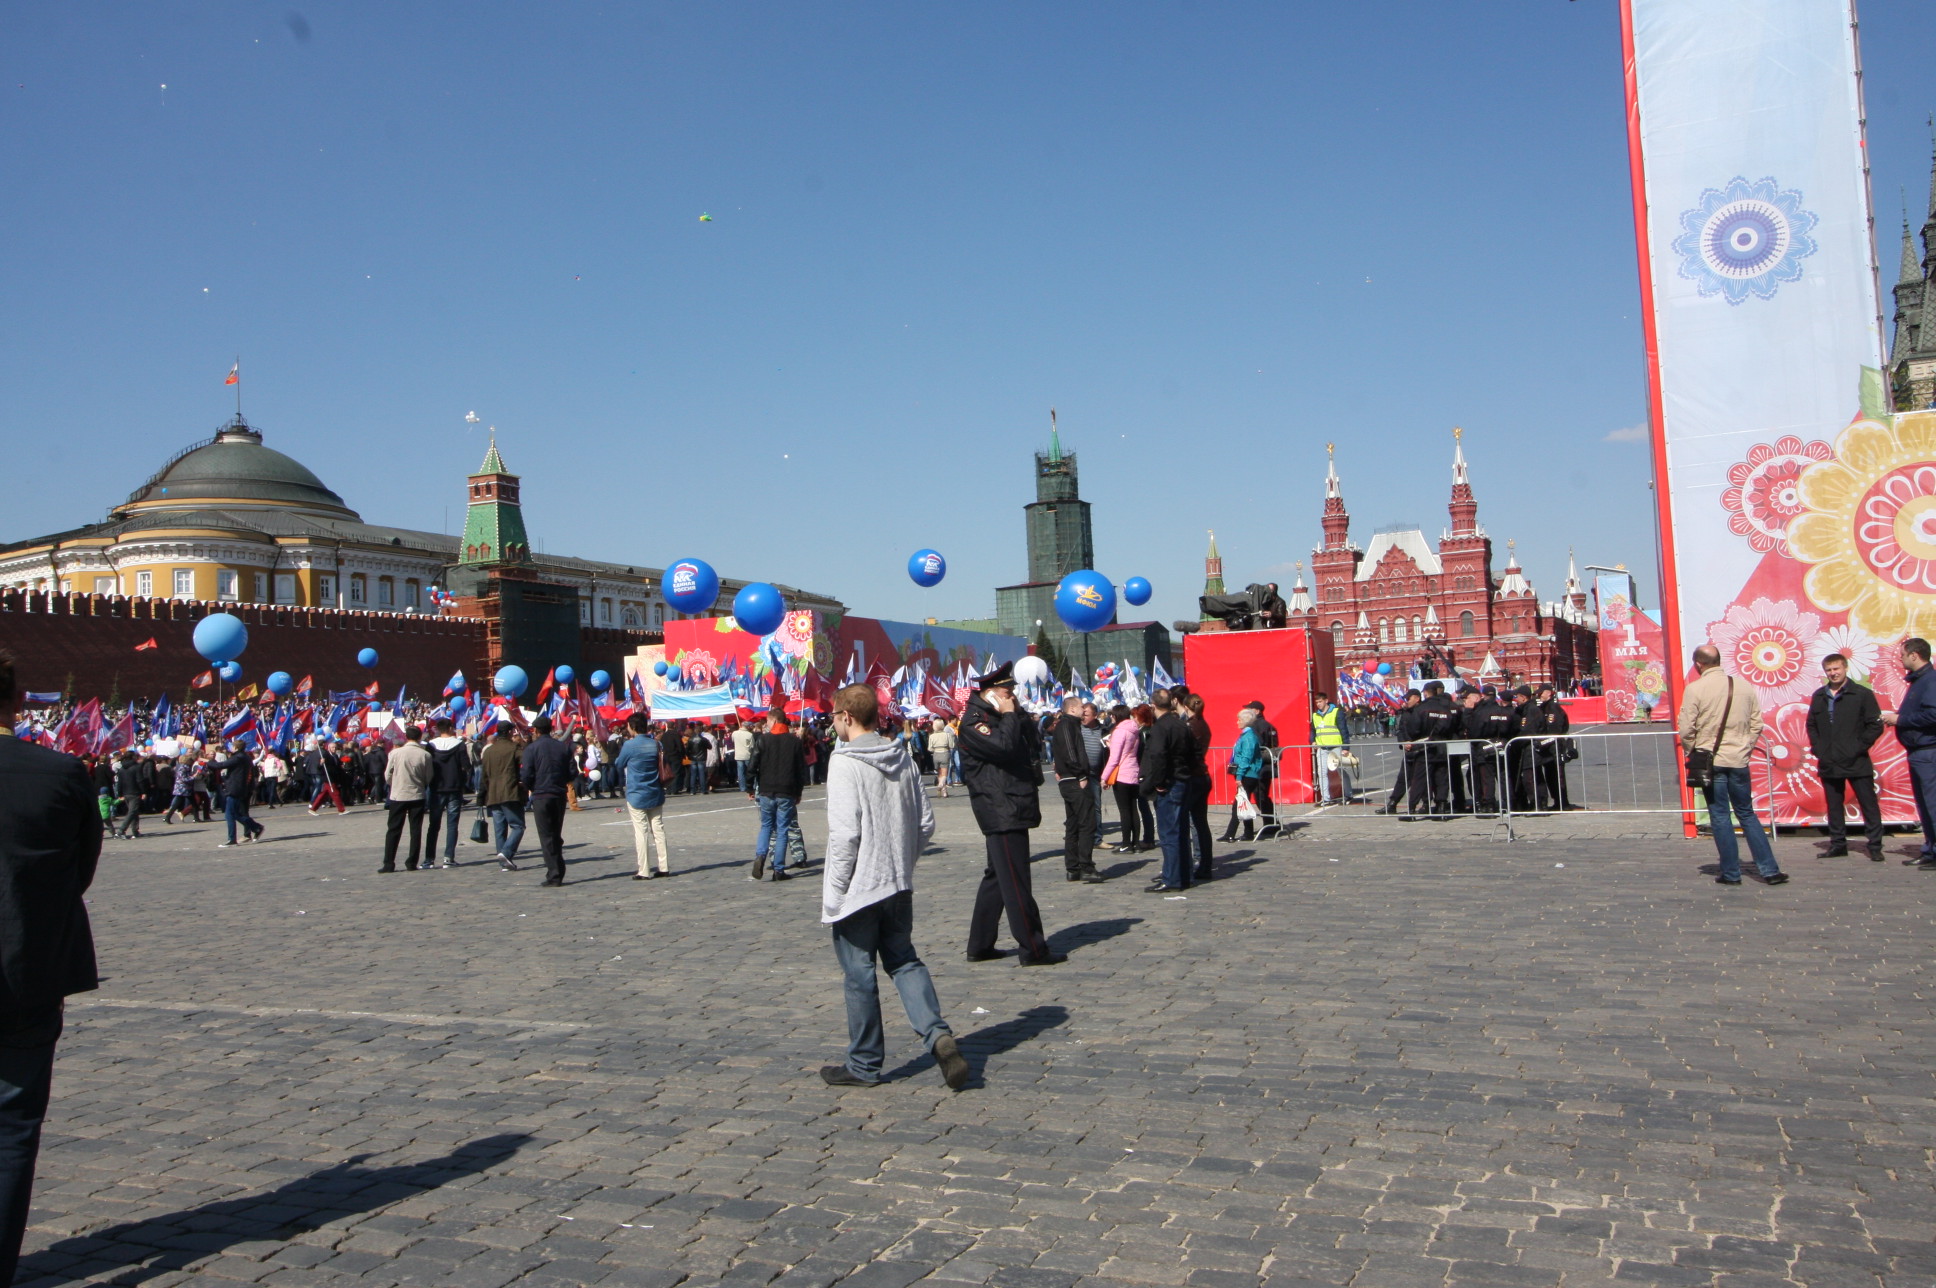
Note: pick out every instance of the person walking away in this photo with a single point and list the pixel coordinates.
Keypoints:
(1844, 721)
(999, 768)
(50, 843)
(128, 787)
(1191, 705)
(1330, 739)
(1914, 721)
(1167, 755)
(1123, 771)
(450, 780)
(780, 775)
(502, 795)
(941, 745)
(1721, 716)
(640, 760)
(1246, 764)
(237, 771)
(546, 771)
(376, 767)
(743, 758)
(406, 783)
(878, 818)
(1069, 757)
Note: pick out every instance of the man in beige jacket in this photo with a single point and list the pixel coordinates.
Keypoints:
(406, 780)
(1720, 714)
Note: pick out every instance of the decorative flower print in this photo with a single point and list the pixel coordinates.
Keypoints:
(1764, 491)
(1769, 644)
(1869, 530)
(1745, 239)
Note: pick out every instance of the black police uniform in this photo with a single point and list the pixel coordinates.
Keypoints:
(999, 768)
(1489, 725)
(1546, 772)
(1435, 720)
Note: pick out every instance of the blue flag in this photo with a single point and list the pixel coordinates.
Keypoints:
(1160, 678)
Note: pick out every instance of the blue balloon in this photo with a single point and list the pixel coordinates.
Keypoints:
(366, 658)
(758, 608)
(600, 681)
(1384, 668)
(458, 705)
(1085, 601)
(564, 675)
(1136, 591)
(675, 675)
(221, 637)
(927, 567)
(229, 671)
(691, 586)
(511, 681)
(659, 668)
(279, 683)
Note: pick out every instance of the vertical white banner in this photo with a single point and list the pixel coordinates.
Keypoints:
(1759, 284)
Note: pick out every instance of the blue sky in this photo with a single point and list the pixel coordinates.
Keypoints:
(1213, 236)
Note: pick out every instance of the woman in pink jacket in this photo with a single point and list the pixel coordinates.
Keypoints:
(1123, 771)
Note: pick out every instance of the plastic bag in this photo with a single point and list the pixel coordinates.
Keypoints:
(1246, 808)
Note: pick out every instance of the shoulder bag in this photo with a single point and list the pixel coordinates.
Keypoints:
(1700, 760)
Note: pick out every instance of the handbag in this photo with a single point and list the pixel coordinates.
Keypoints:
(480, 829)
(1700, 760)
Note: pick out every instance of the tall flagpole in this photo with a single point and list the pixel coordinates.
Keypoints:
(238, 386)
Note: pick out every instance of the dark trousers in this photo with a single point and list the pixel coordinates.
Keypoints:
(1197, 802)
(1266, 808)
(1485, 764)
(1425, 779)
(1173, 833)
(1007, 886)
(26, 1073)
(548, 817)
(1134, 812)
(1253, 786)
(235, 810)
(1549, 778)
(1865, 800)
(446, 811)
(1922, 781)
(1078, 825)
(413, 811)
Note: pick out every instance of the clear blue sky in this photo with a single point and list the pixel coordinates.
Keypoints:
(1214, 236)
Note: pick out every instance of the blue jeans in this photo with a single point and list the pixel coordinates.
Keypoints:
(26, 1073)
(741, 765)
(445, 809)
(776, 817)
(697, 770)
(507, 828)
(884, 930)
(1173, 833)
(1734, 789)
(236, 810)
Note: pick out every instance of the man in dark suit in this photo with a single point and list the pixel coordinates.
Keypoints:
(1844, 721)
(50, 840)
(998, 765)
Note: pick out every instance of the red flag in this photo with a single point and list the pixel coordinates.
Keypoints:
(143, 648)
(544, 690)
(938, 700)
(371, 691)
(308, 683)
(511, 709)
(120, 737)
(203, 680)
(235, 375)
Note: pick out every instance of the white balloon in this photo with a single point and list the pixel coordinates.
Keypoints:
(1031, 670)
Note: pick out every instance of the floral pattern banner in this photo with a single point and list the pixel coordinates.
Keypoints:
(1798, 515)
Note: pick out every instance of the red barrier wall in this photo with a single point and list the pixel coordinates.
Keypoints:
(1232, 668)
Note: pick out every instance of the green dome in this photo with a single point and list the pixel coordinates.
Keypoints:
(235, 467)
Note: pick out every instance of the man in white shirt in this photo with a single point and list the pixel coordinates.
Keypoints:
(743, 756)
(878, 818)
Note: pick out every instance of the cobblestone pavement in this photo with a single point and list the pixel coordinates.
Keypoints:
(1371, 1054)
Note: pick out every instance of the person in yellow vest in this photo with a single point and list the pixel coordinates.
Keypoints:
(1330, 736)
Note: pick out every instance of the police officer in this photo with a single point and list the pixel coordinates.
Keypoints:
(1401, 726)
(1489, 724)
(1435, 721)
(1547, 718)
(1521, 796)
(998, 765)
(1461, 754)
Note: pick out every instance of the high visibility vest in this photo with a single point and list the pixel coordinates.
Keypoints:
(1325, 729)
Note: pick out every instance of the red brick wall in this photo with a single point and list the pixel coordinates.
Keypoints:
(92, 638)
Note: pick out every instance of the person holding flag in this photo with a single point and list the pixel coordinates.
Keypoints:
(238, 772)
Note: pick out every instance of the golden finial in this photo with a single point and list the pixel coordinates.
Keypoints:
(1457, 433)
(1330, 449)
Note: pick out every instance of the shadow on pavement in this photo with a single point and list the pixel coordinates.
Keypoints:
(162, 1245)
(293, 836)
(991, 1041)
(1069, 938)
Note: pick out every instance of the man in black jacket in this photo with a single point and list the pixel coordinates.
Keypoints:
(450, 784)
(1844, 721)
(1489, 724)
(1170, 763)
(1070, 758)
(238, 786)
(1546, 766)
(50, 840)
(1434, 721)
(546, 771)
(998, 766)
(778, 771)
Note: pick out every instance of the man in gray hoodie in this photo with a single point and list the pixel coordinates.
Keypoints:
(878, 818)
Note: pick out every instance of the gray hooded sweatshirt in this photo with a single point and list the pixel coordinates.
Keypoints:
(878, 818)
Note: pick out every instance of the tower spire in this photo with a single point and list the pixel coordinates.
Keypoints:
(1337, 523)
(1331, 470)
(1464, 509)
(1055, 438)
(1458, 456)
(1212, 570)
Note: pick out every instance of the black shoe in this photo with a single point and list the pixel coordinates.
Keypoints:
(1836, 852)
(1201, 874)
(386, 869)
(1384, 809)
(1927, 861)
(837, 1075)
(1228, 839)
(1048, 959)
(1092, 877)
(759, 870)
(1727, 881)
(1158, 887)
(1073, 874)
(954, 1065)
(993, 954)
(781, 874)
(1875, 854)
(552, 881)
(638, 876)
(1124, 849)
(1780, 878)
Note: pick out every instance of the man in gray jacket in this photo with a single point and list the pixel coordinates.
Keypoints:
(878, 818)
(406, 778)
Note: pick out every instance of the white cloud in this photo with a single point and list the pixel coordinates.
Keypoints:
(1628, 434)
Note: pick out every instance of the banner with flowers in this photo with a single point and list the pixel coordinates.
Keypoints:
(1633, 655)
(1791, 501)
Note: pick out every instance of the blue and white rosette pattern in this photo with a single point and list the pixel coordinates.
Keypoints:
(1745, 239)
